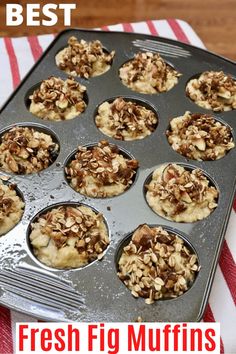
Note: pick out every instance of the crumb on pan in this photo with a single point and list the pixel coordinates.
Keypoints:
(25, 150)
(58, 99)
(200, 136)
(69, 237)
(156, 264)
(181, 195)
(125, 120)
(11, 207)
(101, 171)
(84, 59)
(148, 73)
(213, 90)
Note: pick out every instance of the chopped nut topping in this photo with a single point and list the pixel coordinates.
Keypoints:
(156, 264)
(101, 171)
(25, 150)
(213, 90)
(69, 237)
(125, 120)
(57, 99)
(11, 207)
(199, 136)
(148, 73)
(181, 195)
(84, 59)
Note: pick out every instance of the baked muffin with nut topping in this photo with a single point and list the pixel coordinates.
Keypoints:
(84, 59)
(125, 120)
(213, 90)
(11, 207)
(148, 73)
(181, 195)
(58, 99)
(24, 150)
(156, 264)
(101, 171)
(68, 237)
(200, 136)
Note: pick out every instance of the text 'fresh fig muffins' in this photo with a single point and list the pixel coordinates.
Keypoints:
(24, 150)
(68, 237)
(101, 171)
(213, 90)
(11, 207)
(200, 136)
(84, 59)
(58, 99)
(148, 73)
(125, 120)
(156, 264)
(181, 195)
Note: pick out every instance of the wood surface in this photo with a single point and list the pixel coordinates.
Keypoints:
(213, 20)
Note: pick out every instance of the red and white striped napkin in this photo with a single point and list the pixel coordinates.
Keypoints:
(17, 56)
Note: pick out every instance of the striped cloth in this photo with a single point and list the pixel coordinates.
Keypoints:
(17, 55)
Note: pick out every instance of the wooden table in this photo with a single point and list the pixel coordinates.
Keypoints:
(213, 20)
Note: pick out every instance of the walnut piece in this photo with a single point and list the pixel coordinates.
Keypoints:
(148, 73)
(156, 264)
(101, 171)
(181, 195)
(57, 99)
(199, 136)
(69, 237)
(11, 207)
(125, 120)
(213, 90)
(84, 59)
(25, 150)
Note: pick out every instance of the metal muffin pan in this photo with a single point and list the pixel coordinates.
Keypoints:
(94, 292)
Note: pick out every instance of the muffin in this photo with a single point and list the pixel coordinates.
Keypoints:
(213, 90)
(148, 73)
(156, 264)
(199, 136)
(84, 59)
(101, 171)
(11, 207)
(69, 237)
(25, 150)
(181, 195)
(125, 120)
(58, 100)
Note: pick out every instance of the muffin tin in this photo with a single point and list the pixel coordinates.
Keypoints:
(94, 292)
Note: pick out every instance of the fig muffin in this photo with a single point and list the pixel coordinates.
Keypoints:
(84, 59)
(101, 171)
(58, 99)
(148, 73)
(181, 195)
(213, 90)
(68, 237)
(200, 136)
(156, 264)
(125, 120)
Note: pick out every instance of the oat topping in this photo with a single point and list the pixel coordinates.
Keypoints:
(25, 150)
(181, 195)
(57, 99)
(199, 136)
(125, 120)
(11, 207)
(156, 264)
(69, 237)
(148, 73)
(213, 90)
(84, 59)
(101, 171)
